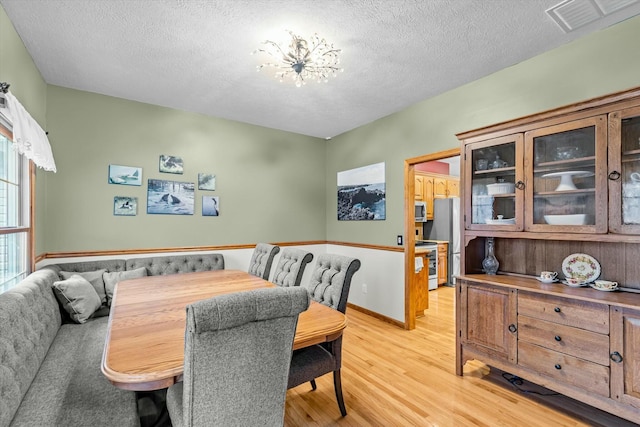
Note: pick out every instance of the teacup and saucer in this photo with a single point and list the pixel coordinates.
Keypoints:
(604, 285)
(548, 276)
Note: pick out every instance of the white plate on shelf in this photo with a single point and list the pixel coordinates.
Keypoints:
(500, 221)
(581, 266)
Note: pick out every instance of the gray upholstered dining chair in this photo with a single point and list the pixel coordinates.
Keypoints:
(291, 266)
(261, 260)
(236, 359)
(329, 285)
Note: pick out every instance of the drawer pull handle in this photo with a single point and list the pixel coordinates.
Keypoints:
(557, 310)
(557, 366)
(520, 185)
(512, 328)
(614, 176)
(558, 338)
(616, 357)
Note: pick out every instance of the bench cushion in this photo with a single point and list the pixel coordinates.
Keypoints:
(29, 322)
(70, 389)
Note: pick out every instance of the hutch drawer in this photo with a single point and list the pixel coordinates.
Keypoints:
(585, 315)
(564, 368)
(575, 342)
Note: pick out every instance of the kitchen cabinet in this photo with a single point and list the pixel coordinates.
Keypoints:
(419, 187)
(422, 285)
(545, 187)
(442, 263)
(430, 186)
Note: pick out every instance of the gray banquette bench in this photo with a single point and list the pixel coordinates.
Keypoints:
(50, 365)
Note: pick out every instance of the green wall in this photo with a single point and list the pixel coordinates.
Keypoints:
(17, 68)
(601, 63)
(270, 183)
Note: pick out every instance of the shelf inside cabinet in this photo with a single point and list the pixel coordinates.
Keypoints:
(564, 164)
(578, 192)
(503, 171)
(631, 153)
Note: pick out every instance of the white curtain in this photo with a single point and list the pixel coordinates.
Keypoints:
(28, 137)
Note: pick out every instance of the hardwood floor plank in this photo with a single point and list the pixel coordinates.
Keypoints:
(394, 377)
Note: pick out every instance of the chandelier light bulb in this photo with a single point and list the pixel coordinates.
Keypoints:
(302, 60)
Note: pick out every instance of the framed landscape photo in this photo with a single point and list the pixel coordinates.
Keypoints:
(170, 197)
(210, 206)
(125, 206)
(362, 194)
(206, 181)
(171, 164)
(125, 175)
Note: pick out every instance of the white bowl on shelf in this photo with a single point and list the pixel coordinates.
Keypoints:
(500, 188)
(500, 221)
(576, 219)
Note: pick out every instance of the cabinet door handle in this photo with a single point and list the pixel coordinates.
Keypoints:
(520, 185)
(557, 366)
(558, 338)
(557, 310)
(615, 357)
(512, 328)
(614, 176)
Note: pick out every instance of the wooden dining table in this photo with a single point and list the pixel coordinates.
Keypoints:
(144, 348)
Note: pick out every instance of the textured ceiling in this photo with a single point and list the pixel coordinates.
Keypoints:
(194, 55)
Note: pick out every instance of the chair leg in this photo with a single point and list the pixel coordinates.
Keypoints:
(337, 384)
(313, 384)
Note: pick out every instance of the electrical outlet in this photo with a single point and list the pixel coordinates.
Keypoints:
(364, 288)
(399, 239)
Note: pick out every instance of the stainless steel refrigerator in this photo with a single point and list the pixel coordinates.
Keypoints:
(446, 227)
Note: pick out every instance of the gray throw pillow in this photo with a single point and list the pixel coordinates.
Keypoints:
(93, 277)
(112, 279)
(78, 297)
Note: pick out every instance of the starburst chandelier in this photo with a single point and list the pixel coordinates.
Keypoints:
(302, 60)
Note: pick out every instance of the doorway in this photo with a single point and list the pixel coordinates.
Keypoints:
(411, 282)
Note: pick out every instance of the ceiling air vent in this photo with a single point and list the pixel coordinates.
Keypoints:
(572, 14)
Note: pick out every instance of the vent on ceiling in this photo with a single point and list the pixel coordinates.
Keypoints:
(572, 14)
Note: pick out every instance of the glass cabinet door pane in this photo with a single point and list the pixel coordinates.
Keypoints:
(564, 185)
(493, 177)
(630, 174)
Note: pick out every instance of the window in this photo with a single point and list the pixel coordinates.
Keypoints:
(15, 224)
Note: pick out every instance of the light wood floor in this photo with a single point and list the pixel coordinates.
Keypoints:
(393, 377)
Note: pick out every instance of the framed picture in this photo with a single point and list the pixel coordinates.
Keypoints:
(210, 206)
(361, 193)
(171, 164)
(170, 197)
(206, 181)
(125, 206)
(125, 175)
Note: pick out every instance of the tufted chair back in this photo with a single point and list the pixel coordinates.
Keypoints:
(261, 260)
(173, 264)
(331, 280)
(236, 359)
(291, 267)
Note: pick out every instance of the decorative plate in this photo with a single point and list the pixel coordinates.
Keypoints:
(581, 266)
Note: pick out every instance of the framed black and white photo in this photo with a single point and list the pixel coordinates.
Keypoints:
(210, 206)
(170, 197)
(125, 175)
(171, 164)
(206, 181)
(125, 206)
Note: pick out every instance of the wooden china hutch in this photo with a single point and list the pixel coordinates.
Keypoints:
(546, 188)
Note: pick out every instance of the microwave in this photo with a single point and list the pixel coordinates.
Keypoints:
(421, 211)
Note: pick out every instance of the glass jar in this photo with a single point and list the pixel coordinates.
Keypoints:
(490, 263)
